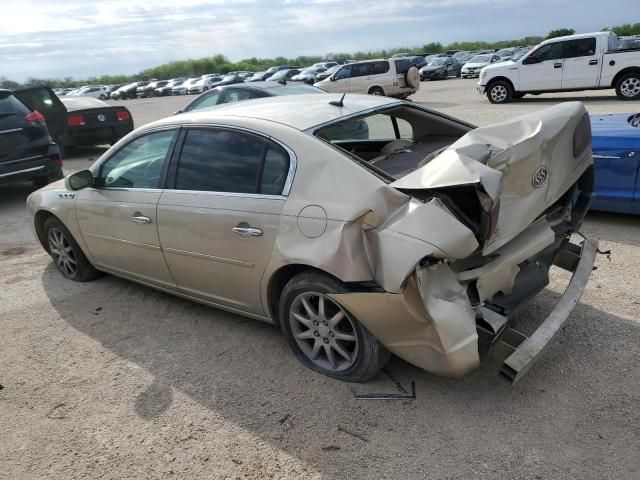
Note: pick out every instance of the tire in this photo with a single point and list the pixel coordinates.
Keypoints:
(72, 263)
(412, 77)
(376, 91)
(499, 92)
(204, 89)
(308, 334)
(103, 97)
(628, 86)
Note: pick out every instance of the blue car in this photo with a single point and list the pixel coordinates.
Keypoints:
(616, 153)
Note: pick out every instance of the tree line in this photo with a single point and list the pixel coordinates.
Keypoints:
(221, 64)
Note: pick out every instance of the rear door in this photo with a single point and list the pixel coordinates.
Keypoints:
(20, 139)
(581, 63)
(361, 77)
(218, 222)
(117, 217)
(341, 80)
(542, 69)
(616, 175)
(44, 100)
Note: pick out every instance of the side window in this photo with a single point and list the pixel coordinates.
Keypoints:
(344, 72)
(235, 95)
(550, 51)
(380, 67)
(209, 100)
(274, 172)
(582, 47)
(228, 161)
(381, 127)
(361, 69)
(138, 164)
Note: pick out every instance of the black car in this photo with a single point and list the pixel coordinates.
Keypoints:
(166, 89)
(93, 122)
(284, 75)
(440, 68)
(128, 91)
(247, 91)
(148, 90)
(27, 150)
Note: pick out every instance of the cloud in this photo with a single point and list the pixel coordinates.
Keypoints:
(90, 37)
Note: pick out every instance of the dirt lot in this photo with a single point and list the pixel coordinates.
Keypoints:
(113, 380)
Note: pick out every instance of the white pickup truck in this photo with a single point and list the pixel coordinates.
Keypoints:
(587, 61)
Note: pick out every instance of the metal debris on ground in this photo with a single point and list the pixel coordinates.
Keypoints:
(330, 448)
(353, 434)
(404, 395)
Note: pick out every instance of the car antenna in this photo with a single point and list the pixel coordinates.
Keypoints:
(338, 103)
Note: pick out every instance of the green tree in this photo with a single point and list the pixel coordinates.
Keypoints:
(560, 32)
(625, 30)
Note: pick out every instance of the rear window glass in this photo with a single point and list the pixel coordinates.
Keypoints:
(290, 89)
(10, 105)
(403, 65)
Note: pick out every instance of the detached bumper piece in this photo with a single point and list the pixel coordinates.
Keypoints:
(576, 259)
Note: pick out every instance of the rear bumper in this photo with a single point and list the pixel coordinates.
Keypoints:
(98, 135)
(32, 167)
(527, 351)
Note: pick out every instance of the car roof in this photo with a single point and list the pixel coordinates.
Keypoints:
(301, 112)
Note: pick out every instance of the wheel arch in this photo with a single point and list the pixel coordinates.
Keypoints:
(376, 85)
(39, 219)
(503, 78)
(622, 72)
(279, 279)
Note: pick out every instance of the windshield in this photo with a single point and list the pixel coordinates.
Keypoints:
(311, 70)
(518, 54)
(279, 75)
(480, 59)
(333, 69)
(272, 69)
(505, 52)
(292, 89)
(437, 61)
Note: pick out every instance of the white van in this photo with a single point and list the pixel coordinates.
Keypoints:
(395, 77)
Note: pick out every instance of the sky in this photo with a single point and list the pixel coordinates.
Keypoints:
(82, 38)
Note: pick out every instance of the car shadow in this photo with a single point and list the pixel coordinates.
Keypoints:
(550, 98)
(242, 370)
(613, 227)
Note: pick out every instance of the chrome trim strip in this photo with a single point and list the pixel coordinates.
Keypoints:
(610, 157)
(11, 130)
(26, 170)
(120, 240)
(226, 194)
(209, 257)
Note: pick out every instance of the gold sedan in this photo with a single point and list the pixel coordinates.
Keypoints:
(360, 225)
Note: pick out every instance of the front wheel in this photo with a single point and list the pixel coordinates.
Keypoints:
(628, 86)
(324, 336)
(67, 255)
(499, 92)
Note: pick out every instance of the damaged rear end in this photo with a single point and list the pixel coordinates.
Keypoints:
(487, 218)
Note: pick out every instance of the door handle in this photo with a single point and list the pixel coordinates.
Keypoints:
(140, 219)
(247, 231)
(593, 62)
(557, 65)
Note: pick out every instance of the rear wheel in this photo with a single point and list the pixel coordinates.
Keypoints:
(67, 255)
(323, 335)
(376, 91)
(499, 92)
(628, 86)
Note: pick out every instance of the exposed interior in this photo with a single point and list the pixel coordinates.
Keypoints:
(397, 140)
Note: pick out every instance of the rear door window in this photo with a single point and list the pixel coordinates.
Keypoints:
(217, 160)
(582, 47)
(208, 100)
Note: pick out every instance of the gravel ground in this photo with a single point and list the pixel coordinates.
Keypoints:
(113, 380)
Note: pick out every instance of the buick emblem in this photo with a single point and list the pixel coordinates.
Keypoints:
(539, 177)
(101, 117)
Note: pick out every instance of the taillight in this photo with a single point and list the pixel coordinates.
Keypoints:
(582, 136)
(75, 121)
(123, 115)
(35, 116)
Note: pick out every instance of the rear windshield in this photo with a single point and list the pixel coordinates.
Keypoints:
(293, 90)
(10, 105)
(403, 65)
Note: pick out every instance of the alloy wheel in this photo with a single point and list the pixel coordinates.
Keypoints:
(323, 331)
(630, 87)
(499, 93)
(62, 252)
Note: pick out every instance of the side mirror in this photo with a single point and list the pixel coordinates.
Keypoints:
(332, 78)
(177, 112)
(79, 180)
(530, 60)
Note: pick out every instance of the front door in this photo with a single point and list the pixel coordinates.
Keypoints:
(581, 63)
(117, 217)
(542, 69)
(341, 80)
(218, 223)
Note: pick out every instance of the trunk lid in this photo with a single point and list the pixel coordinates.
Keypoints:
(500, 178)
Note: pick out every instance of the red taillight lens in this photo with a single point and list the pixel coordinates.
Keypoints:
(123, 115)
(75, 121)
(34, 116)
